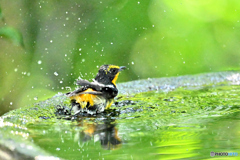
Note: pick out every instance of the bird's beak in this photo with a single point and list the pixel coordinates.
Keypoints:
(122, 68)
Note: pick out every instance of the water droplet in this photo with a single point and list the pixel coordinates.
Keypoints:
(183, 62)
(60, 81)
(68, 88)
(138, 2)
(11, 103)
(132, 62)
(39, 62)
(83, 60)
(51, 41)
(55, 73)
(15, 69)
(80, 49)
(35, 98)
(111, 42)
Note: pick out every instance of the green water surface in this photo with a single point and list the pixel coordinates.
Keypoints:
(181, 124)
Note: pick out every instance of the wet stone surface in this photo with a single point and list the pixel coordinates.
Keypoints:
(175, 118)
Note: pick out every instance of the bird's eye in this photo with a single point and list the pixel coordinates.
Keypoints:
(114, 70)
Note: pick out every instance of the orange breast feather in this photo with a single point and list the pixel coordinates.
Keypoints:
(83, 99)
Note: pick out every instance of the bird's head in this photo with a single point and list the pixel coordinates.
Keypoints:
(108, 74)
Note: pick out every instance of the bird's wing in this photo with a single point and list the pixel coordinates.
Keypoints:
(94, 85)
(96, 88)
(83, 91)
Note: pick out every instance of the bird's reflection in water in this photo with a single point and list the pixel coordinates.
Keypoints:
(103, 130)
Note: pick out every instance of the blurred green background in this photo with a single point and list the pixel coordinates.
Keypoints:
(46, 45)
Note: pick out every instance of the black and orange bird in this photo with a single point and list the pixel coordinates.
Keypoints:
(94, 97)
